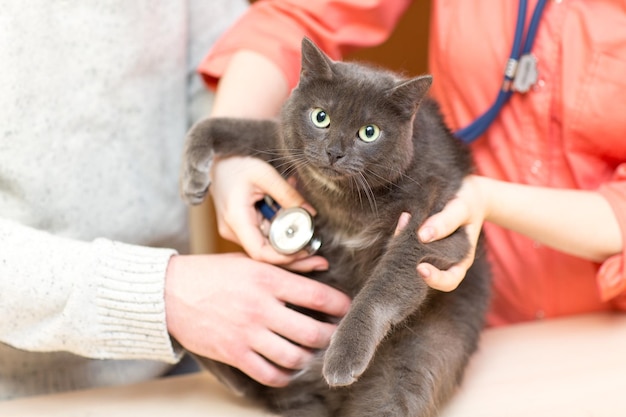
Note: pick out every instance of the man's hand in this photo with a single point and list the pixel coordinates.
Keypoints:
(232, 309)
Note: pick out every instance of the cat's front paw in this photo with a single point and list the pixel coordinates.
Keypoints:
(194, 185)
(346, 359)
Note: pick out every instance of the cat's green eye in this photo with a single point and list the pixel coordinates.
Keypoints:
(369, 133)
(320, 118)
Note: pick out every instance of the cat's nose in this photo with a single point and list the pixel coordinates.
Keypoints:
(334, 155)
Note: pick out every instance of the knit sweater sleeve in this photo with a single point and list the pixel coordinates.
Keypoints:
(101, 299)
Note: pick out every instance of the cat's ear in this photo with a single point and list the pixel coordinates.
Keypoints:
(315, 63)
(408, 94)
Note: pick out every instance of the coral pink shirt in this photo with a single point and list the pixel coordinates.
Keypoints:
(569, 131)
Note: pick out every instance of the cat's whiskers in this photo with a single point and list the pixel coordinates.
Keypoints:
(322, 179)
(298, 163)
(365, 187)
(358, 182)
(288, 164)
(354, 185)
(401, 174)
(287, 167)
(258, 152)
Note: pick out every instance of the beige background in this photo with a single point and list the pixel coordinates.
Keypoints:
(405, 51)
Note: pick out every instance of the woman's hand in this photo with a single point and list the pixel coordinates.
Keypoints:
(469, 210)
(238, 183)
(577, 222)
(232, 309)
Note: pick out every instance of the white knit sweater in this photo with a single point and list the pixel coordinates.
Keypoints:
(95, 100)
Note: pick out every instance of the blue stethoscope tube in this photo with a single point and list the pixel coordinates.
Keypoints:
(475, 129)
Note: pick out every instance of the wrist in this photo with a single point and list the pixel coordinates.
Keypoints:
(482, 189)
(169, 295)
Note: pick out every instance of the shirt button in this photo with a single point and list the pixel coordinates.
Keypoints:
(536, 166)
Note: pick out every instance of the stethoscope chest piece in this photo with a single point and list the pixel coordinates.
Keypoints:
(291, 230)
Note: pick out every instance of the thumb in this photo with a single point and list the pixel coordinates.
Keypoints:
(281, 191)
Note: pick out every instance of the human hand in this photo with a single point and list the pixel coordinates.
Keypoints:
(468, 209)
(238, 183)
(232, 309)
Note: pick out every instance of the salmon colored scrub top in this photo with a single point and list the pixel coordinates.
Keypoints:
(568, 131)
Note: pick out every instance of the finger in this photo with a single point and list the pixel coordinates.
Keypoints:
(445, 281)
(305, 292)
(262, 371)
(301, 329)
(444, 223)
(292, 181)
(238, 215)
(264, 252)
(272, 183)
(402, 222)
(243, 221)
(224, 230)
(253, 239)
(281, 351)
(308, 264)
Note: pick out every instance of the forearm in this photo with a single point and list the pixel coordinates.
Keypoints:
(252, 86)
(577, 222)
(98, 299)
(275, 30)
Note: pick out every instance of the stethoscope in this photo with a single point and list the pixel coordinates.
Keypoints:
(290, 230)
(519, 75)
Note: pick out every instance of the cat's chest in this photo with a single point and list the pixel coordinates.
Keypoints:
(353, 232)
(352, 254)
(363, 240)
(351, 222)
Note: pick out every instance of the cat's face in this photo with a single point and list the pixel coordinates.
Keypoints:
(348, 125)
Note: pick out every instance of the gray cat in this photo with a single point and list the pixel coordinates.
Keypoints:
(364, 145)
